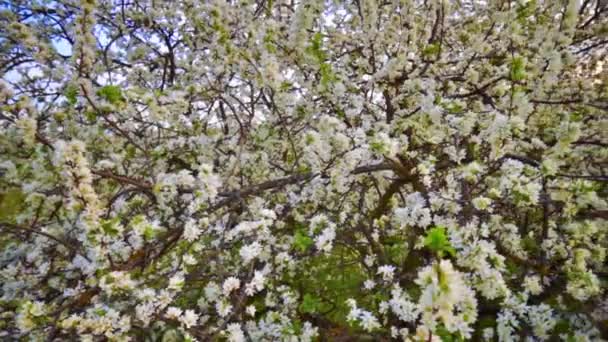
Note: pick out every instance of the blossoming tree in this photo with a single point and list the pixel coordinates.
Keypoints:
(265, 170)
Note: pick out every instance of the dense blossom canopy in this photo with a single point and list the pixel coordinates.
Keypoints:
(258, 170)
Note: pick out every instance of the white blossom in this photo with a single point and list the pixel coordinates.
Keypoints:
(250, 252)
(173, 312)
(387, 272)
(189, 319)
(230, 284)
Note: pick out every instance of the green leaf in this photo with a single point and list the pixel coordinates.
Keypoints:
(454, 108)
(525, 10)
(437, 241)
(70, 93)
(269, 42)
(150, 233)
(300, 111)
(576, 117)
(340, 112)
(518, 71)
(111, 93)
(100, 312)
(295, 328)
(269, 4)
(310, 304)
(335, 276)
(377, 146)
(562, 327)
(285, 86)
(130, 151)
(327, 75)
(302, 241)
(11, 203)
(109, 226)
(171, 335)
(316, 48)
(397, 251)
(446, 336)
(91, 116)
(431, 50)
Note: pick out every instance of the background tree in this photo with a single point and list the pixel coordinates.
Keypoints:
(266, 170)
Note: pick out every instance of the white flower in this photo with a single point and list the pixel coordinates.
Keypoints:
(368, 321)
(256, 284)
(83, 264)
(70, 321)
(317, 222)
(481, 203)
(250, 252)
(324, 241)
(24, 322)
(209, 180)
(506, 325)
(223, 308)
(267, 213)
(400, 304)
(164, 298)
(37, 309)
(191, 231)
(250, 310)
(212, 291)
(189, 319)
(383, 144)
(446, 299)
(173, 312)
(28, 129)
(189, 259)
(414, 213)
(369, 260)
(244, 228)
(235, 333)
(532, 284)
(541, 319)
(550, 167)
(369, 284)
(354, 312)
(423, 334)
(470, 171)
(309, 332)
(144, 312)
(176, 282)
(230, 285)
(120, 280)
(387, 272)
(583, 286)
(488, 334)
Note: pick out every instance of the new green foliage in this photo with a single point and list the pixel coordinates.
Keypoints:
(437, 241)
(111, 93)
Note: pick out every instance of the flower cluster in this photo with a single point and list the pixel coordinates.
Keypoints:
(416, 170)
